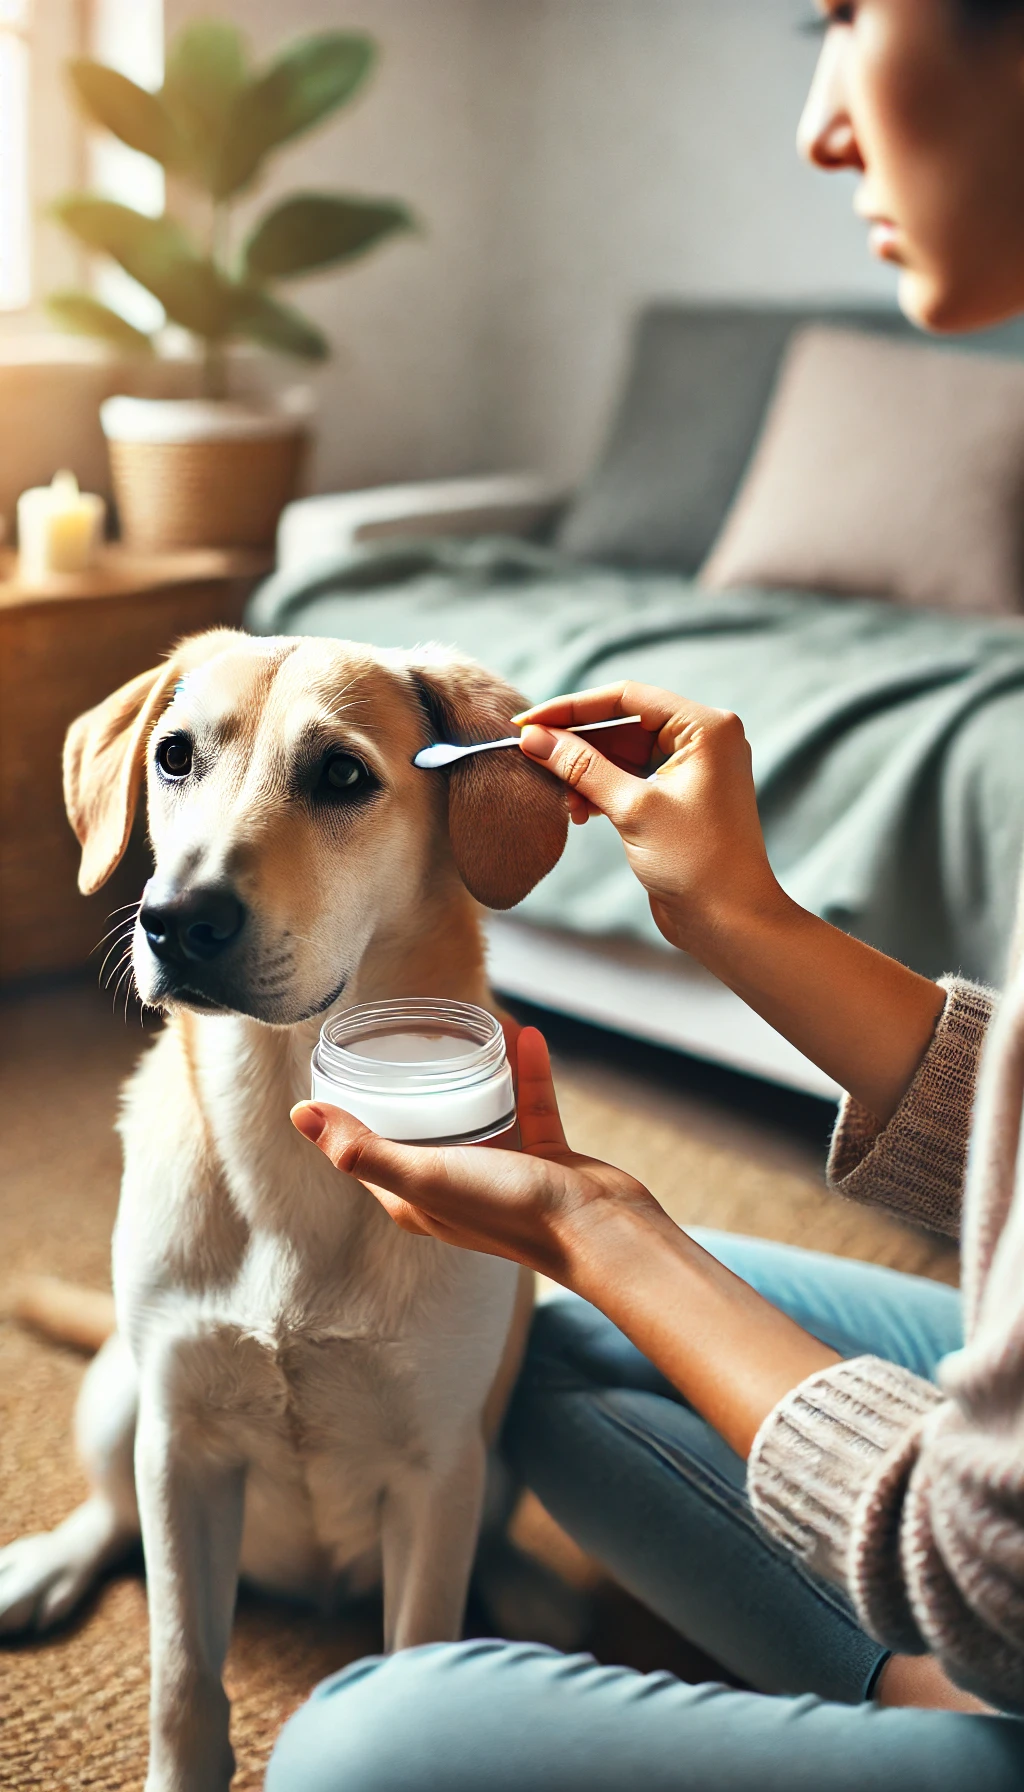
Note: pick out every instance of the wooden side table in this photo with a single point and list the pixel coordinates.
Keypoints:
(63, 647)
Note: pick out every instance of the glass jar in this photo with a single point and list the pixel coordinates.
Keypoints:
(420, 1071)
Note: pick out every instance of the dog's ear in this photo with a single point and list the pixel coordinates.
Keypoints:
(507, 819)
(105, 753)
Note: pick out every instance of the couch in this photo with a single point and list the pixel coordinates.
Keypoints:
(887, 739)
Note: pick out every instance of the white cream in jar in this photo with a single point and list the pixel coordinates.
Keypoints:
(420, 1071)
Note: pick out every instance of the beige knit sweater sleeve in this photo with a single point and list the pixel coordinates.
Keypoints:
(917, 1164)
(911, 1495)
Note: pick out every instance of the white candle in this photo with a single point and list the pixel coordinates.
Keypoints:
(59, 529)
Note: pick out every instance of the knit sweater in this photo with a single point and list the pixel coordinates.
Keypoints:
(911, 1495)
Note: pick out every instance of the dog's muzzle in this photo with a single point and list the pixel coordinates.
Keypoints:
(193, 926)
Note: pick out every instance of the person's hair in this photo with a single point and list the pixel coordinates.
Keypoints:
(988, 12)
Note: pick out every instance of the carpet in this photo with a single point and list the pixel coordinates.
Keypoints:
(715, 1150)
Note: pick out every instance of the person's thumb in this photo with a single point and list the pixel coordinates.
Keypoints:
(380, 1164)
(583, 769)
(353, 1148)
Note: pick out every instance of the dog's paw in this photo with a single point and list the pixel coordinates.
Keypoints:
(43, 1578)
(38, 1583)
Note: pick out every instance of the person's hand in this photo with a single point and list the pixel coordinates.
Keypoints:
(679, 789)
(680, 793)
(595, 1230)
(534, 1206)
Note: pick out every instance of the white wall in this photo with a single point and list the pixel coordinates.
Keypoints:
(648, 150)
(569, 158)
(402, 398)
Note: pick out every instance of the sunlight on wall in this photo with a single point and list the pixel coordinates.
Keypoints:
(15, 256)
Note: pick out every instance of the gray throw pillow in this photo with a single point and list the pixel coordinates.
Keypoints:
(695, 394)
(885, 468)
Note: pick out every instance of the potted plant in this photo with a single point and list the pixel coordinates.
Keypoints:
(213, 470)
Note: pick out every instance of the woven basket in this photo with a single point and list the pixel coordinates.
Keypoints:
(221, 494)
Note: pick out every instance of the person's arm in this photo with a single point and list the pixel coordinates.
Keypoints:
(737, 1359)
(693, 838)
(909, 1493)
(731, 1354)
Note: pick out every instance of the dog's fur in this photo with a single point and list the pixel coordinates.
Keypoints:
(298, 1390)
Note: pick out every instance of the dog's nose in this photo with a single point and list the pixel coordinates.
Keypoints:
(196, 925)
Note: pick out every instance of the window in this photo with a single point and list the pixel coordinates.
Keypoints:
(45, 149)
(15, 253)
(127, 35)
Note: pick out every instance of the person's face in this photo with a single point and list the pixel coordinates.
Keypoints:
(931, 114)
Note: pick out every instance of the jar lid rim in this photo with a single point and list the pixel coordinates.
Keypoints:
(336, 1058)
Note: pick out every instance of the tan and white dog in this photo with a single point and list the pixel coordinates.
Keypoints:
(297, 1390)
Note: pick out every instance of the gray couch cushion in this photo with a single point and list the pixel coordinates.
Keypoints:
(696, 391)
(888, 467)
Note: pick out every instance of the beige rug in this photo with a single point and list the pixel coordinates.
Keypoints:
(73, 1710)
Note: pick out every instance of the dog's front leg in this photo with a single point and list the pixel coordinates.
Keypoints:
(191, 1507)
(430, 1527)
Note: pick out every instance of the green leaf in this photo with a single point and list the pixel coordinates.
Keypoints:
(308, 81)
(206, 71)
(83, 315)
(196, 295)
(122, 232)
(158, 254)
(280, 327)
(137, 117)
(318, 230)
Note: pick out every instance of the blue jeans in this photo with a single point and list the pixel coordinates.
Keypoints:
(650, 1490)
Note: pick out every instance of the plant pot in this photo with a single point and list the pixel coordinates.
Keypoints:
(193, 472)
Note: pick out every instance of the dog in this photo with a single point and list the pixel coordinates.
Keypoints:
(297, 1390)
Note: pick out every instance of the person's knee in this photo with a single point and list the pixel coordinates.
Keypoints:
(362, 1730)
(333, 1740)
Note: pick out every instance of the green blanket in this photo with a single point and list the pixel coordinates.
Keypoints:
(888, 743)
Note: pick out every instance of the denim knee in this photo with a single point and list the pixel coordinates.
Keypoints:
(362, 1729)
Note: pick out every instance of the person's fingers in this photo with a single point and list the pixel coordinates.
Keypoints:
(601, 704)
(587, 772)
(338, 1134)
(436, 1180)
(579, 809)
(667, 723)
(513, 1033)
(429, 1177)
(631, 747)
(357, 1151)
(512, 1030)
(309, 1119)
(540, 1124)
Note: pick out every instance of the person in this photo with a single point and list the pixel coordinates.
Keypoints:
(813, 1468)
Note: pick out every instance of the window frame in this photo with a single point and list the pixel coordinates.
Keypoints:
(15, 158)
(60, 147)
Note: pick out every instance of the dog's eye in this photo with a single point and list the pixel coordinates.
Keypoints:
(174, 756)
(345, 774)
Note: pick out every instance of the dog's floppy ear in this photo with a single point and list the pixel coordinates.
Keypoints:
(507, 819)
(104, 756)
